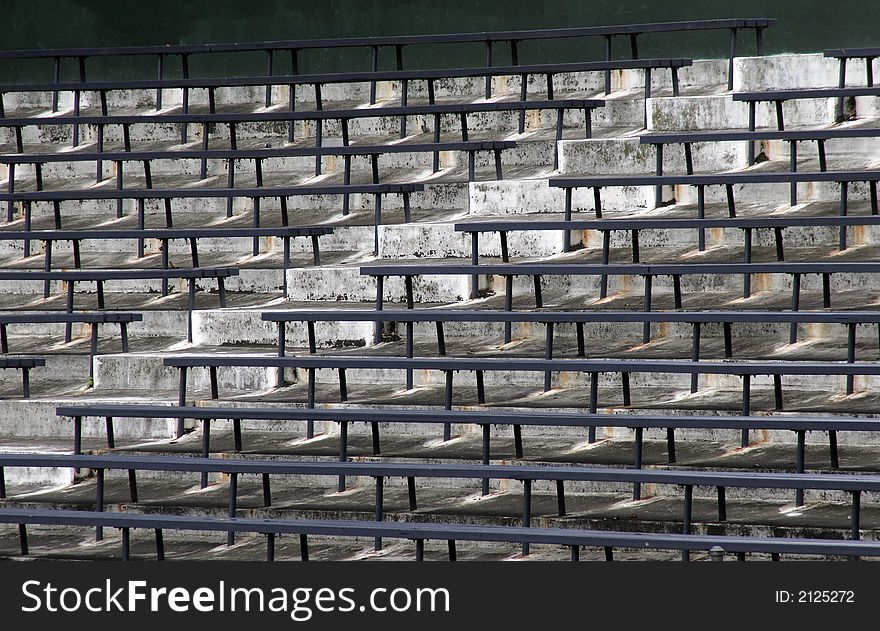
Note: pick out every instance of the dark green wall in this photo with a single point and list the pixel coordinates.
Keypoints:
(804, 26)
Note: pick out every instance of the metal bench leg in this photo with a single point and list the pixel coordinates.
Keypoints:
(527, 511)
(310, 403)
(517, 441)
(374, 435)
(841, 82)
(800, 463)
(77, 435)
(206, 448)
(850, 354)
(548, 354)
(746, 406)
(670, 445)
(646, 327)
(777, 392)
(99, 501)
(594, 404)
(780, 247)
(658, 190)
(687, 517)
(270, 537)
(508, 306)
(343, 452)
(732, 56)
(607, 39)
(233, 505)
(638, 450)
(486, 455)
(843, 212)
(304, 547)
(695, 354)
(606, 252)
(795, 305)
(747, 258)
(181, 388)
(126, 544)
(855, 518)
(236, 434)
(23, 539)
(447, 427)
(832, 448)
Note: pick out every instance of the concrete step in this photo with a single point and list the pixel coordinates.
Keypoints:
(792, 72)
(720, 111)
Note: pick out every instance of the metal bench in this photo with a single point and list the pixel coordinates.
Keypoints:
(843, 55)
(418, 532)
(100, 276)
(344, 116)
(820, 136)
(168, 194)
(449, 365)
(257, 155)
(728, 180)
(482, 417)
(397, 42)
(527, 474)
(647, 271)
(780, 96)
(851, 319)
(23, 363)
(94, 320)
(636, 224)
(164, 235)
(317, 80)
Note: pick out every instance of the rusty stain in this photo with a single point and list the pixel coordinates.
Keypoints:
(662, 329)
(858, 235)
(761, 282)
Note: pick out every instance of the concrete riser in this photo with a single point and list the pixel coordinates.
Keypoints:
(627, 156)
(240, 327)
(140, 371)
(276, 170)
(521, 196)
(323, 283)
(320, 283)
(250, 280)
(441, 195)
